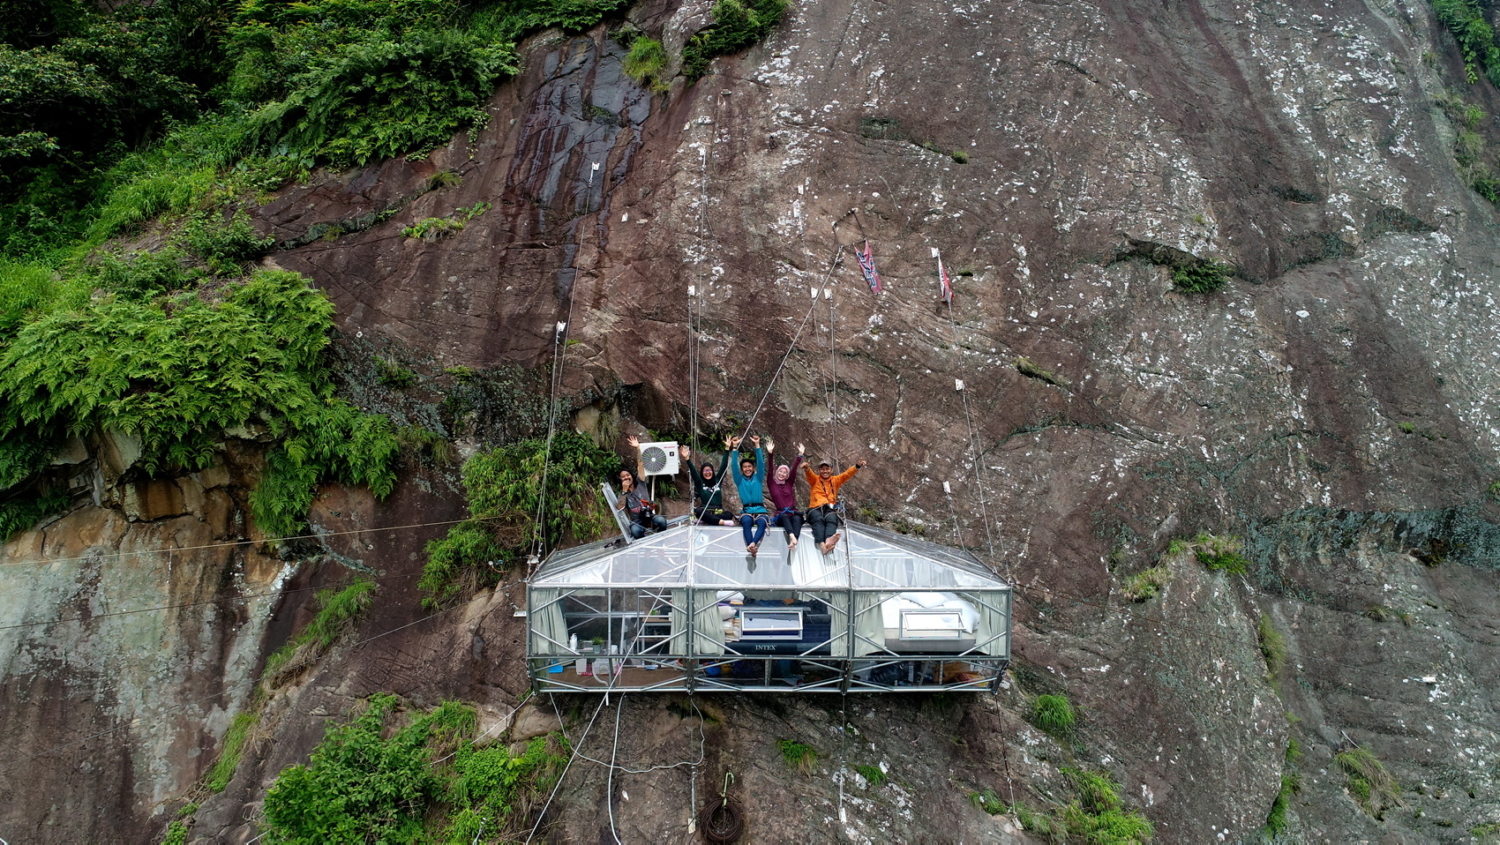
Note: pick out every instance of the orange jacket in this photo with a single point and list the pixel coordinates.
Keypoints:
(826, 492)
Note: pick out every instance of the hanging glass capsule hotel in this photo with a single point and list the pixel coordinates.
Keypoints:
(687, 610)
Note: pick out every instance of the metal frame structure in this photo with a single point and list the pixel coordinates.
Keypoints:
(663, 613)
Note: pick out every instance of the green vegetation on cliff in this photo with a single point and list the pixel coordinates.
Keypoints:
(1476, 38)
(173, 360)
(1054, 714)
(111, 117)
(737, 25)
(338, 611)
(505, 488)
(1096, 815)
(166, 121)
(372, 781)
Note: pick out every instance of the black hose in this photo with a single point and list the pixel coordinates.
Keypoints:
(722, 821)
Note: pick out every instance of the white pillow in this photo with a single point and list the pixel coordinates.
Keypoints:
(925, 600)
(726, 612)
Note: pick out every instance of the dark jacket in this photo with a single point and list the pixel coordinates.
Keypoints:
(638, 507)
(710, 494)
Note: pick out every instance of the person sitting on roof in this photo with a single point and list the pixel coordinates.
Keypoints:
(822, 501)
(751, 484)
(638, 509)
(710, 499)
(784, 496)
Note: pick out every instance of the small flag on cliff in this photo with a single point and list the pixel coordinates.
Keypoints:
(867, 266)
(945, 286)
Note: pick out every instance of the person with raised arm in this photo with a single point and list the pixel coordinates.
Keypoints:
(751, 483)
(709, 506)
(783, 486)
(822, 502)
(638, 509)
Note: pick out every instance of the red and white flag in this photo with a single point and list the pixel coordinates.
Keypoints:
(945, 285)
(867, 266)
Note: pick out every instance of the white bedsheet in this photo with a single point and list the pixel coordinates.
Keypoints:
(890, 609)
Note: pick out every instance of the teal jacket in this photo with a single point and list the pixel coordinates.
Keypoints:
(752, 489)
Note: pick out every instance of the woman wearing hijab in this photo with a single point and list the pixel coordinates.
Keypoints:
(709, 508)
(783, 486)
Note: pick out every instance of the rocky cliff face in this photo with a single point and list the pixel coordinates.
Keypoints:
(1334, 406)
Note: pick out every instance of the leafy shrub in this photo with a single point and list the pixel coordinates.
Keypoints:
(368, 782)
(177, 369)
(351, 81)
(1054, 714)
(988, 801)
(358, 786)
(177, 833)
(392, 374)
(225, 246)
(237, 98)
(21, 514)
(872, 775)
(452, 567)
(81, 83)
(348, 81)
(179, 173)
(143, 275)
(1098, 814)
(168, 371)
(234, 745)
(1201, 277)
(1221, 554)
(26, 289)
(646, 62)
(505, 491)
(1276, 822)
(1476, 38)
(1272, 647)
(1476, 162)
(737, 25)
(1146, 584)
(493, 792)
(338, 611)
(1370, 783)
(426, 445)
(800, 756)
(432, 228)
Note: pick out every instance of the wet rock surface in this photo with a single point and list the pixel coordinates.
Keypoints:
(1334, 406)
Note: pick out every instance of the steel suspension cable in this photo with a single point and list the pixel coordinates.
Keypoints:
(793, 345)
(974, 456)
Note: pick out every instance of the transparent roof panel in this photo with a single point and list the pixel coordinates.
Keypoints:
(868, 558)
(884, 559)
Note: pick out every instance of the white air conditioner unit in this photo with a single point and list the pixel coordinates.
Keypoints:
(659, 458)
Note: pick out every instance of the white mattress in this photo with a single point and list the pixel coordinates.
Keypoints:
(890, 609)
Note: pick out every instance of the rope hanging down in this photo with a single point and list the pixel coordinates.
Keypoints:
(974, 461)
(559, 353)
